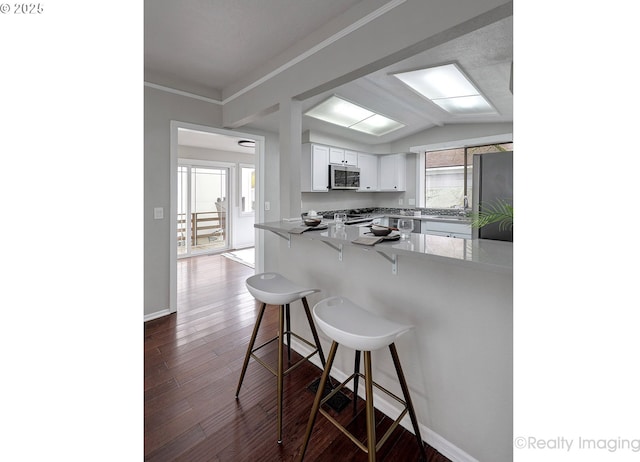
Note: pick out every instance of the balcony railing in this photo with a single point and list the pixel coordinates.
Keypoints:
(210, 225)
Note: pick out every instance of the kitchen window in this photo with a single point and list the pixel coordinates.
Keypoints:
(449, 174)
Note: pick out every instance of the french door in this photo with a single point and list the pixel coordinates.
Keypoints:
(203, 198)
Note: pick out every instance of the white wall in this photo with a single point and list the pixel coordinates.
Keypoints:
(334, 200)
(159, 109)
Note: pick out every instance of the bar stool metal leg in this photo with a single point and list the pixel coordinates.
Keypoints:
(365, 332)
(287, 312)
(371, 422)
(250, 347)
(273, 289)
(314, 331)
(356, 371)
(318, 399)
(280, 374)
(407, 398)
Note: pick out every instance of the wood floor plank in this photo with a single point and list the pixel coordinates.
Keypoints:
(193, 360)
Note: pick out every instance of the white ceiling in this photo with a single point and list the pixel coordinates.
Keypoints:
(203, 46)
(199, 139)
(210, 44)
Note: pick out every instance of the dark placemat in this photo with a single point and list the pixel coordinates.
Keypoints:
(337, 402)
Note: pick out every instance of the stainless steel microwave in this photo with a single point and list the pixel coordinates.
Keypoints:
(344, 177)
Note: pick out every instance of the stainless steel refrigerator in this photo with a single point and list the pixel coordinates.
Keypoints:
(492, 181)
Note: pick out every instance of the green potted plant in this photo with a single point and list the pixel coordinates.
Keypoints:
(500, 212)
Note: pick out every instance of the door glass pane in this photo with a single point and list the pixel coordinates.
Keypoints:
(208, 208)
(202, 224)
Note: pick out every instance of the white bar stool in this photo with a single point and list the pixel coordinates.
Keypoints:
(350, 325)
(275, 289)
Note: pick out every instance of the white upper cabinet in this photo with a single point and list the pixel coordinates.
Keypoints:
(377, 172)
(343, 156)
(393, 172)
(314, 168)
(368, 165)
(350, 157)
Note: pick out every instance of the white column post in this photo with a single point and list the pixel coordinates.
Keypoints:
(290, 115)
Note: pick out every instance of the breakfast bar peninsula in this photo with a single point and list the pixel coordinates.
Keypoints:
(458, 295)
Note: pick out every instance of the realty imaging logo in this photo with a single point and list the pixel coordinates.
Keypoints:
(562, 443)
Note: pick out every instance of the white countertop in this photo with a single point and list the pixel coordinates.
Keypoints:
(478, 253)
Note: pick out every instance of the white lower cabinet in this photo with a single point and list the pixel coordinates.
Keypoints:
(444, 228)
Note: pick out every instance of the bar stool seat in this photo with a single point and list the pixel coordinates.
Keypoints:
(354, 327)
(275, 289)
(348, 324)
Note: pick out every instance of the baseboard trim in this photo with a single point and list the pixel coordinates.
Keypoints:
(388, 408)
(156, 315)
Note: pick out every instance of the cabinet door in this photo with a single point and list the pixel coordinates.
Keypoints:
(401, 172)
(368, 165)
(320, 168)
(444, 228)
(393, 172)
(351, 158)
(387, 173)
(336, 156)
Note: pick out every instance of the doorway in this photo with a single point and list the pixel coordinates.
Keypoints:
(202, 215)
(256, 201)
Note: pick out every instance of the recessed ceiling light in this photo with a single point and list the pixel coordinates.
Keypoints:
(341, 112)
(247, 143)
(449, 88)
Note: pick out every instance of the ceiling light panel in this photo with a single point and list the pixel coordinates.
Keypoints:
(377, 125)
(341, 112)
(449, 88)
(466, 105)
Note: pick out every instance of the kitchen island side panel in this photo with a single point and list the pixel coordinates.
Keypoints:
(457, 360)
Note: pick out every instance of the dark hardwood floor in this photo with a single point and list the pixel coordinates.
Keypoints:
(192, 365)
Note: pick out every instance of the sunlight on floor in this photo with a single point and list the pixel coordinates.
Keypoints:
(244, 256)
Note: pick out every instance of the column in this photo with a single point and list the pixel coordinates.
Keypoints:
(290, 116)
